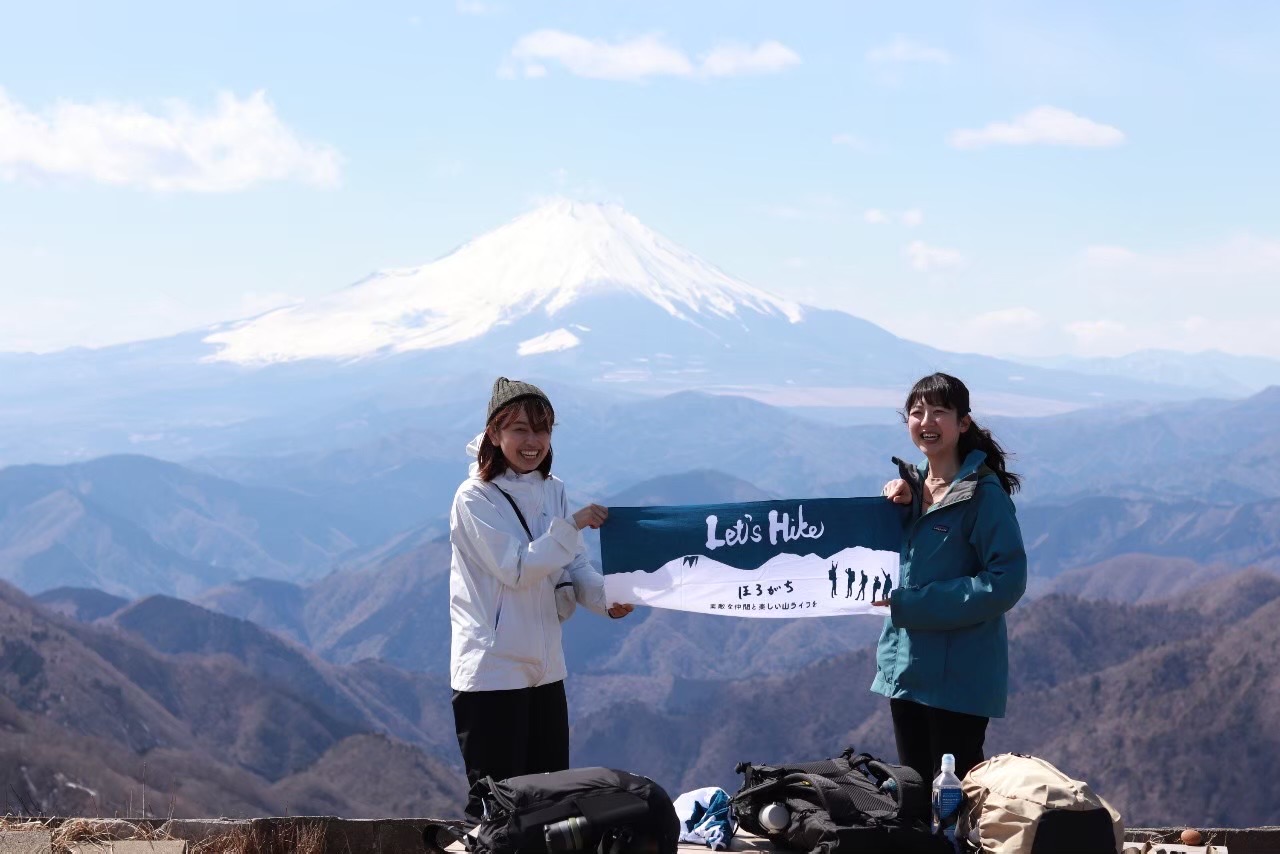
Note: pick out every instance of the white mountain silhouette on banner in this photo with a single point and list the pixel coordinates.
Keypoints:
(786, 585)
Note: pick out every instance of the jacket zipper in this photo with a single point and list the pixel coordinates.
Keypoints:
(911, 537)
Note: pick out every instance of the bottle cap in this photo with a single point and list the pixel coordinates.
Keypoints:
(774, 817)
(948, 762)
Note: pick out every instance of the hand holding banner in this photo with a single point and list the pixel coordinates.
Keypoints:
(795, 558)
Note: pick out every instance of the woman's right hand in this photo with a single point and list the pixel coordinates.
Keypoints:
(898, 491)
(591, 516)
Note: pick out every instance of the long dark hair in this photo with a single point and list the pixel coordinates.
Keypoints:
(945, 390)
(541, 417)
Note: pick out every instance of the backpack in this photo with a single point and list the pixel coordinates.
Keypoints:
(581, 809)
(1020, 804)
(852, 802)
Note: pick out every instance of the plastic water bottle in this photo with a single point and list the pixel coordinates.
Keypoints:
(774, 817)
(947, 796)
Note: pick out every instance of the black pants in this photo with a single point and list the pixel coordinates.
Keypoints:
(509, 733)
(924, 733)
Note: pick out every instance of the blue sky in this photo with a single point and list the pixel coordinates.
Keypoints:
(1009, 178)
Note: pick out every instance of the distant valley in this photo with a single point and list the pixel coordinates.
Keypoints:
(1100, 688)
(1175, 481)
(224, 555)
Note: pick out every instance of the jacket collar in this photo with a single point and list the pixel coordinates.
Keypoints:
(972, 469)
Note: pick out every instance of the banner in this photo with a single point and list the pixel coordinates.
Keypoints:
(813, 558)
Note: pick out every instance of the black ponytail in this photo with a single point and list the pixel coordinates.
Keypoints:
(978, 439)
(945, 390)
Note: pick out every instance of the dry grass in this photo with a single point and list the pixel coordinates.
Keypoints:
(64, 834)
(286, 837)
(294, 837)
(101, 830)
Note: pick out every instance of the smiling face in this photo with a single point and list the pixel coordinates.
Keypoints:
(935, 429)
(523, 441)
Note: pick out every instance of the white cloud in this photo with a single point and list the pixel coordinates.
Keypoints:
(635, 59)
(1001, 331)
(781, 211)
(1108, 300)
(475, 7)
(1109, 256)
(909, 218)
(733, 60)
(1041, 126)
(820, 206)
(925, 258)
(43, 324)
(851, 140)
(1218, 295)
(238, 144)
(1242, 257)
(903, 49)
(1019, 318)
(1093, 334)
(639, 58)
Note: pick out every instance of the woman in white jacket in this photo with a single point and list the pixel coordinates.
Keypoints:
(518, 569)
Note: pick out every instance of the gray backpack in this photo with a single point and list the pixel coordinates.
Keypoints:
(1018, 804)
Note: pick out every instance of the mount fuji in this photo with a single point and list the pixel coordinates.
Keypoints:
(545, 268)
(586, 292)
(573, 293)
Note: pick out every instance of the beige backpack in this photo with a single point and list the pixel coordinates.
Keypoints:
(1017, 804)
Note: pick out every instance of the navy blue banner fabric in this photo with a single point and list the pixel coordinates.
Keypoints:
(747, 535)
(790, 558)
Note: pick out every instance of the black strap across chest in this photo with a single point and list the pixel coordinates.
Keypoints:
(519, 515)
(525, 525)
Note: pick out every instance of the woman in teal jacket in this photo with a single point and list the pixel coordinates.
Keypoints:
(943, 657)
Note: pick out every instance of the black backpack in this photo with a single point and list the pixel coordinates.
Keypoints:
(851, 803)
(582, 809)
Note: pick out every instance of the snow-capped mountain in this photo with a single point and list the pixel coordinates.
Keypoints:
(538, 265)
(587, 293)
(574, 295)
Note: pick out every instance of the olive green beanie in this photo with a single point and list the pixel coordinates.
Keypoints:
(505, 391)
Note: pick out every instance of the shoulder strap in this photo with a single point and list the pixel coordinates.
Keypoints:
(519, 515)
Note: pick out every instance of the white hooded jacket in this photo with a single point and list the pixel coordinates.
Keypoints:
(503, 588)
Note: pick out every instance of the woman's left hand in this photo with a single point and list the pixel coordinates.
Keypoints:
(898, 491)
(618, 611)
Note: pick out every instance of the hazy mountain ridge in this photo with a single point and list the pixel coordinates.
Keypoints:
(390, 603)
(134, 525)
(1174, 724)
(1095, 529)
(1134, 578)
(1078, 667)
(1093, 490)
(1226, 373)
(86, 706)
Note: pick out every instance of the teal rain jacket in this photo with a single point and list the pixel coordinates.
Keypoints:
(963, 566)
